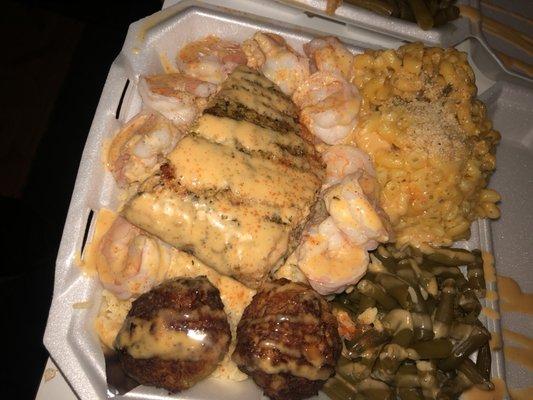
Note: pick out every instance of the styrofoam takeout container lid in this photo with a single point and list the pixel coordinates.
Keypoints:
(446, 35)
(69, 336)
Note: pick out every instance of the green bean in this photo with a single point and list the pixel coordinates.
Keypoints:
(399, 324)
(452, 12)
(378, 6)
(433, 6)
(343, 302)
(397, 288)
(362, 367)
(376, 292)
(444, 312)
(451, 257)
(365, 303)
(478, 337)
(468, 368)
(407, 376)
(469, 302)
(422, 326)
(375, 390)
(368, 340)
(409, 393)
(426, 279)
(427, 376)
(405, 11)
(475, 275)
(422, 14)
(436, 348)
(337, 389)
(484, 361)
(440, 18)
(453, 387)
(403, 338)
(388, 362)
(443, 272)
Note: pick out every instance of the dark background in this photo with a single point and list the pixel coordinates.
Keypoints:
(54, 62)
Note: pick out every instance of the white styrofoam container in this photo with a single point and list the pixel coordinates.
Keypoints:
(447, 35)
(69, 335)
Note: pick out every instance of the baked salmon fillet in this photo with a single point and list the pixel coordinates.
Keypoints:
(238, 189)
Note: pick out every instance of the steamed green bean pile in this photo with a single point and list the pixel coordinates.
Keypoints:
(426, 13)
(409, 327)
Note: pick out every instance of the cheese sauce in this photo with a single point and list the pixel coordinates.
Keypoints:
(155, 338)
(235, 193)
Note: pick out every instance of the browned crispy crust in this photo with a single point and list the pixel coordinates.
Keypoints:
(182, 295)
(277, 316)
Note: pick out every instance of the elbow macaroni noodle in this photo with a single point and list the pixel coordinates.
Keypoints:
(430, 139)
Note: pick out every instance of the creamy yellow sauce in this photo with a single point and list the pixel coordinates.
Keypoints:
(521, 394)
(512, 297)
(490, 313)
(488, 266)
(104, 220)
(252, 138)
(500, 390)
(523, 354)
(204, 165)
(495, 341)
(237, 243)
(154, 338)
(113, 311)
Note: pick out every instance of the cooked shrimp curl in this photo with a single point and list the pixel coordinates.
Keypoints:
(329, 261)
(329, 106)
(176, 96)
(280, 63)
(139, 147)
(210, 59)
(130, 262)
(329, 54)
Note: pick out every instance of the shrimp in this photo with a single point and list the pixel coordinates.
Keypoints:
(138, 149)
(328, 260)
(178, 97)
(270, 54)
(129, 262)
(210, 59)
(355, 214)
(342, 160)
(329, 54)
(329, 106)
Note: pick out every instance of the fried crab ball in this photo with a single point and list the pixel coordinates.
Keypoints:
(287, 340)
(174, 335)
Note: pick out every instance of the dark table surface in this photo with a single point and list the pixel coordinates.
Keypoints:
(56, 58)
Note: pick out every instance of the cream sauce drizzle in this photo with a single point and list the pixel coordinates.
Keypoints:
(490, 313)
(519, 355)
(515, 63)
(495, 341)
(498, 29)
(203, 165)
(512, 297)
(145, 339)
(488, 266)
(491, 295)
(500, 390)
(521, 394)
(522, 354)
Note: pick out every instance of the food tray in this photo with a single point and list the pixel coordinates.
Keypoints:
(69, 335)
(446, 35)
